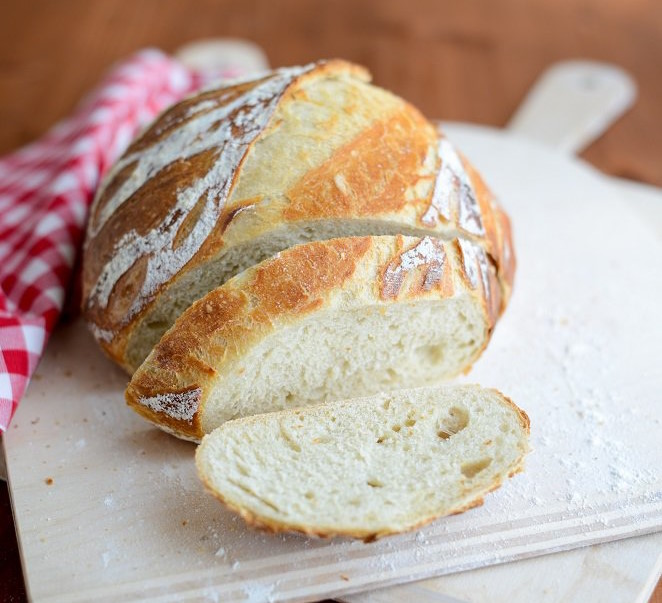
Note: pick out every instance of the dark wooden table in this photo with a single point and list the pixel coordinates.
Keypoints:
(468, 60)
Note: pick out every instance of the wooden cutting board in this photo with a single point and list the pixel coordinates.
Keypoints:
(613, 572)
(109, 508)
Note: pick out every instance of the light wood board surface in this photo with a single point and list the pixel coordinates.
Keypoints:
(616, 572)
(125, 517)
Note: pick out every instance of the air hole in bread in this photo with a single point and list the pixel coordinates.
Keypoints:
(454, 422)
(458, 418)
(310, 495)
(396, 428)
(474, 468)
(386, 405)
(410, 422)
(432, 353)
(375, 483)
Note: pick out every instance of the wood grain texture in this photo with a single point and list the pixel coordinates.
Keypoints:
(458, 60)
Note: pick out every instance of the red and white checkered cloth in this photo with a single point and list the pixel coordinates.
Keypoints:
(45, 192)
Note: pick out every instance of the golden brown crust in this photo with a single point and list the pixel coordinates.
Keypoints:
(371, 175)
(299, 282)
(523, 417)
(507, 259)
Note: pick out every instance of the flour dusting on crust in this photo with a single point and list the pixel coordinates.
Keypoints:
(429, 252)
(99, 333)
(228, 125)
(475, 265)
(453, 193)
(181, 406)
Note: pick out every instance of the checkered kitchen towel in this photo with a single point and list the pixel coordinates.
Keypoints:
(45, 191)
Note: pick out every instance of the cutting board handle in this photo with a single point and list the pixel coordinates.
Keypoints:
(573, 103)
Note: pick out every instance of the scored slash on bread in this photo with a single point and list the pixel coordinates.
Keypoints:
(228, 178)
(366, 468)
(321, 321)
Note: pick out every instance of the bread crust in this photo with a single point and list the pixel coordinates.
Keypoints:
(142, 238)
(228, 321)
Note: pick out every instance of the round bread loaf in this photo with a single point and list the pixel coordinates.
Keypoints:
(230, 177)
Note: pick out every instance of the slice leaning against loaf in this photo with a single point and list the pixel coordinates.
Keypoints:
(321, 321)
(228, 178)
(367, 467)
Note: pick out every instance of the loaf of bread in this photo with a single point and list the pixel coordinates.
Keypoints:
(321, 321)
(269, 250)
(369, 467)
(230, 177)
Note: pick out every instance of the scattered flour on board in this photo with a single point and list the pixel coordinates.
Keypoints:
(453, 193)
(210, 594)
(105, 558)
(257, 592)
(583, 452)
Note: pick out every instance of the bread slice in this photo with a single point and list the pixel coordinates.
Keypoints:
(321, 321)
(228, 178)
(366, 467)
